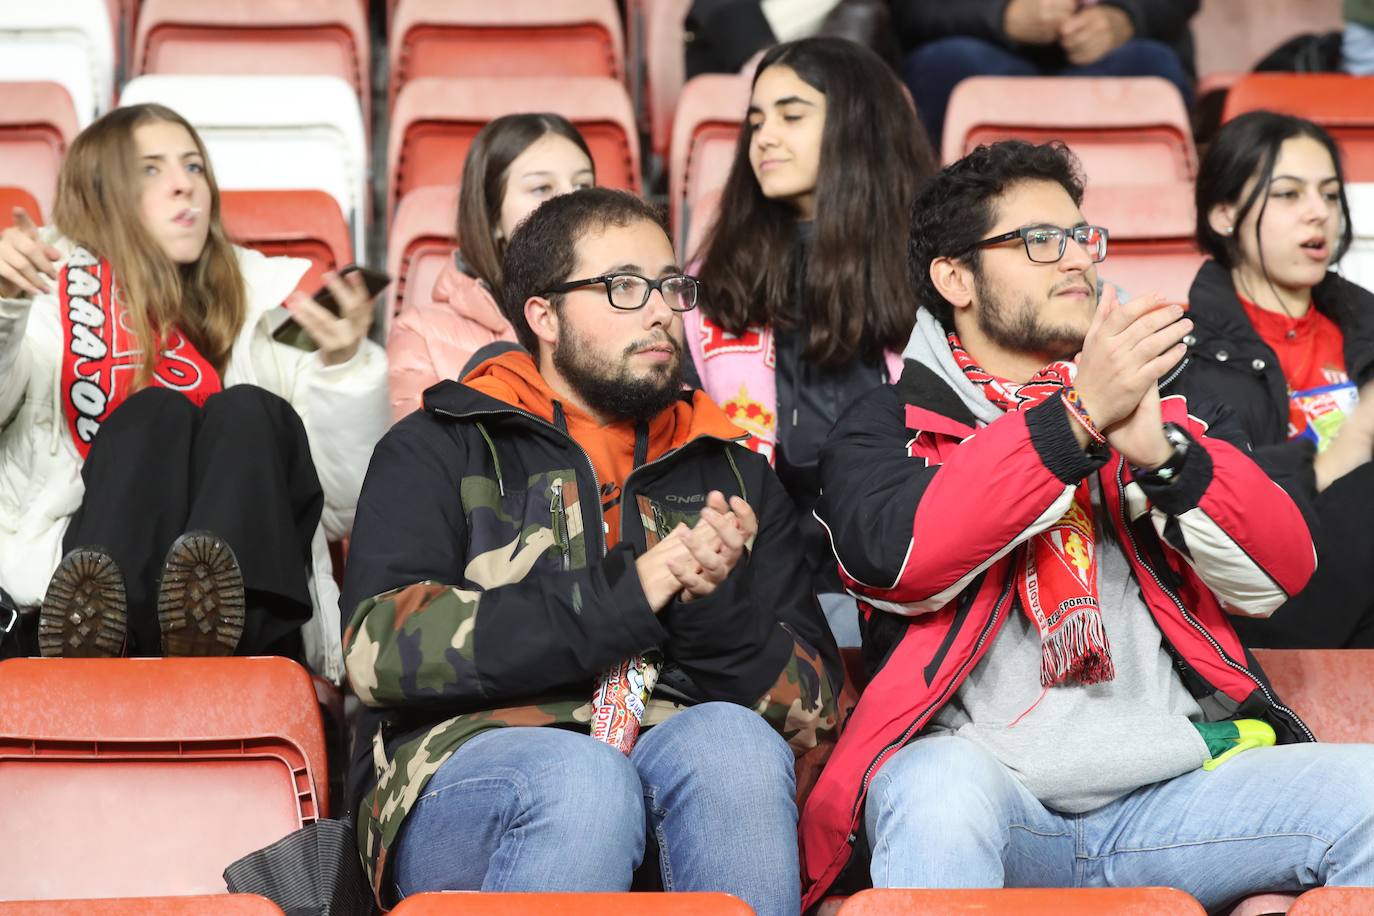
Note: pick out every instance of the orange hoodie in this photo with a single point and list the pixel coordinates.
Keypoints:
(514, 378)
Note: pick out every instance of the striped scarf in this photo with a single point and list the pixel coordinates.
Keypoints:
(1057, 572)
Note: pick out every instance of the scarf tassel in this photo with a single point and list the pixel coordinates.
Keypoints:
(1077, 649)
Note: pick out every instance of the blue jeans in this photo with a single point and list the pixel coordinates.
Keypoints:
(543, 809)
(934, 69)
(944, 813)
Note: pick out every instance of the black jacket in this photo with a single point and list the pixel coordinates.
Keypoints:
(920, 21)
(1228, 360)
(475, 529)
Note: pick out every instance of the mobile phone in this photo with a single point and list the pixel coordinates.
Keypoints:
(289, 332)
(375, 280)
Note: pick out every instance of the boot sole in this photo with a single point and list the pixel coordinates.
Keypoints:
(200, 599)
(85, 612)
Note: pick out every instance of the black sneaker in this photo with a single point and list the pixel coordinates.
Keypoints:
(200, 597)
(85, 611)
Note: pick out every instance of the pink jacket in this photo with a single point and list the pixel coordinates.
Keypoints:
(738, 373)
(433, 340)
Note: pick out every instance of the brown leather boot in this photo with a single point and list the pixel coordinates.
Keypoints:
(85, 611)
(200, 597)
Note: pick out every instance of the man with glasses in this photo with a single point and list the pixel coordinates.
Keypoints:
(568, 538)
(1048, 539)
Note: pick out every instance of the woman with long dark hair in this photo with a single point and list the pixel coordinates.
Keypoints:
(807, 297)
(168, 469)
(515, 163)
(1290, 344)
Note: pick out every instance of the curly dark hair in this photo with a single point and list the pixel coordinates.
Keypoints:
(955, 209)
(542, 251)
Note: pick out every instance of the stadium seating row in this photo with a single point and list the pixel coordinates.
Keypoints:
(155, 774)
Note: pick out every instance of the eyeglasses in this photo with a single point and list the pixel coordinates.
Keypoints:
(1045, 244)
(629, 292)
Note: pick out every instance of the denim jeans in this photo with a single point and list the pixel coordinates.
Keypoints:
(1357, 49)
(944, 813)
(933, 70)
(543, 809)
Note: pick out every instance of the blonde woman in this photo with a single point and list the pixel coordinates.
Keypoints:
(174, 503)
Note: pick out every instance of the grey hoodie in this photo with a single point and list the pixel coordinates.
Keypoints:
(1074, 747)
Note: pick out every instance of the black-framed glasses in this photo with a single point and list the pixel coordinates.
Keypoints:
(629, 292)
(1046, 244)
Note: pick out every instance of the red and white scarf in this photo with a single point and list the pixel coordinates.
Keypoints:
(100, 352)
(1057, 581)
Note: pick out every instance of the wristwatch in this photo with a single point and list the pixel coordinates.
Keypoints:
(1168, 471)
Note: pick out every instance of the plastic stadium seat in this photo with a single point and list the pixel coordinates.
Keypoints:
(274, 133)
(71, 42)
(705, 132)
(221, 905)
(1358, 264)
(436, 119)
(139, 777)
(1133, 901)
(298, 224)
(422, 238)
(1152, 247)
(1234, 35)
(1335, 901)
(1331, 689)
(660, 56)
(37, 124)
(240, 37)
(704, 213)
(482, 38)
(498, 904)
(1120, 127)
(18, 197)
(1343, 104)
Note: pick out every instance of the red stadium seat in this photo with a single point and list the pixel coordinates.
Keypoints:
(1120, 127)
(220, 905)
(298, 224)
(1335, 901)
(481, 38)
(18, 197)
(262, 37)
(37, 124)
(497, 904)
(704, 212)
(1151, 228)
(1132, 901)
(1331, 689)
(423, 236)
(662, 57)
(705, 131)
(435, 121)
(1342, 104)
(1234, 35)
(135, 777)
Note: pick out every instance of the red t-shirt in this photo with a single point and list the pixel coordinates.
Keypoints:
(1311, 352)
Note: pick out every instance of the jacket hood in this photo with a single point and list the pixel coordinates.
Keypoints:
(468, 295)
(513, 379)
(929, 346)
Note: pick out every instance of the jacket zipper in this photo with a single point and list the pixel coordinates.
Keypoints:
(660, 526)
(1187, 616)
(558, 508)
(905, 736)
(546, 424)
(625, 494)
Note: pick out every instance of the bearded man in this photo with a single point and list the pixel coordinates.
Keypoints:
(580, 613)
(1048, 538)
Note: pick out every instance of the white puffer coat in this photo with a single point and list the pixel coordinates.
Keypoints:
(344, 409)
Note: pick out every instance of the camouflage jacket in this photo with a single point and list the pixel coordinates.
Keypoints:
(482, 596)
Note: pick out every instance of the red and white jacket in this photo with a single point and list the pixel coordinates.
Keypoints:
(928, 510)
